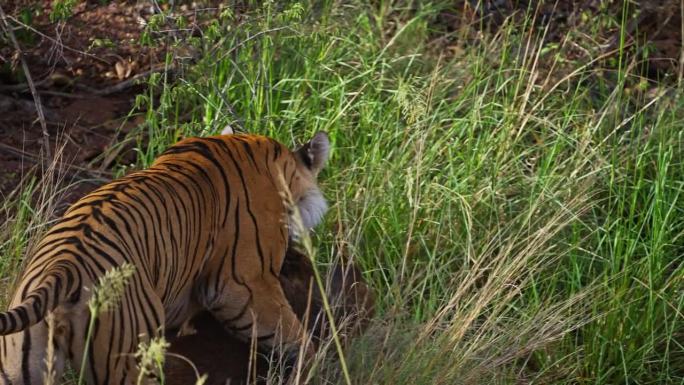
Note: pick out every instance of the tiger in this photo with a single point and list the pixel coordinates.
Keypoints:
(227, 360)
(206, 227)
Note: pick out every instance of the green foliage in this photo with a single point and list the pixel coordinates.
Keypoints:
(62, 9)
(25, 16)
(14, 236)
(98, 43)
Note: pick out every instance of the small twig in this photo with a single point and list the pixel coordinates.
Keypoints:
(21, 87)
(118, 87)
(29, 80)
(240, 44)
(102, 176)
(65, 94)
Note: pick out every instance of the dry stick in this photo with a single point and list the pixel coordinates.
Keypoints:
(118, 87)
(21, 87)
(29, 80)
(65, 94)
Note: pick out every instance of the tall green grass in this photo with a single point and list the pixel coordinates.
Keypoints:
(25, 213)
(518, 214)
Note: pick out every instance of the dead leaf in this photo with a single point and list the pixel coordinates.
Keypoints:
(124, 68)
(120, 68)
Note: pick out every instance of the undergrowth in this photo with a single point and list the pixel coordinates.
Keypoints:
(518, 214)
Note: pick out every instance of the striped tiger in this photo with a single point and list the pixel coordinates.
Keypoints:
(206, 228)
(227, 360)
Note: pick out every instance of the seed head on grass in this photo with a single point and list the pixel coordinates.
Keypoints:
(150, 356)
(412, 102)
(50, 373)
(202, 380)
(296, 225)
(106, 296)
(110, 288)
(294, 12)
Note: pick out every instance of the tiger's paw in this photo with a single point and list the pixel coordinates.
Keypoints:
(186, 329)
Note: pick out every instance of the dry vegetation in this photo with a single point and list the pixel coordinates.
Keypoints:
(509, 175)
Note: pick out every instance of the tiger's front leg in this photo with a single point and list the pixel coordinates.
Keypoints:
(260, 306)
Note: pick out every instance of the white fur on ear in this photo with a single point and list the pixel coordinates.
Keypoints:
(320, 149)
(312, 207)
(315, 153)
(227, 130)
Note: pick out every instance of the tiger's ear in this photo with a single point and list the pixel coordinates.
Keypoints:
(315, 152)
(227, 130)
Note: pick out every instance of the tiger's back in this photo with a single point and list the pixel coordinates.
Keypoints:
(205, 227)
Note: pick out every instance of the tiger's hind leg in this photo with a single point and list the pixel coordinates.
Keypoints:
(110, 357)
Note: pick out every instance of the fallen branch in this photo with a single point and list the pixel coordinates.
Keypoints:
(118, 87)
(29, 80)
(21, 87)
(65, 94)
(90, 91)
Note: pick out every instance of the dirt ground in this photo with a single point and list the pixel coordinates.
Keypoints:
(85, 71)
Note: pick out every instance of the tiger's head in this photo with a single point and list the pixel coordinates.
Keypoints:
(309, 160)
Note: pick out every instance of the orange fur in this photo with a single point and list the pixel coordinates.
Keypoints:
(206, 227)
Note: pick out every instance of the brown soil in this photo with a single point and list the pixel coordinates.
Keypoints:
(80, 129)
(84, 69)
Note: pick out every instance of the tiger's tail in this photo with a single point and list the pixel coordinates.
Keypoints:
(60, 283)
